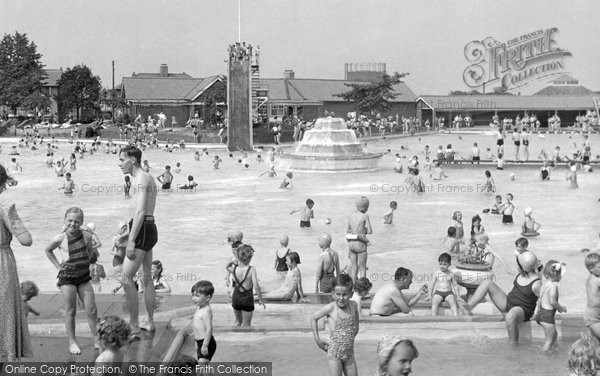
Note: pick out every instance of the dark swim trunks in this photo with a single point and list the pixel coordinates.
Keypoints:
(304, 223)
(443, 294)
(506, 218)
(546, 316)
(212, 348)
(166, 186)
(148, 235)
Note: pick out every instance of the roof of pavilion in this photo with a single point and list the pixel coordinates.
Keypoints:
(446, 103)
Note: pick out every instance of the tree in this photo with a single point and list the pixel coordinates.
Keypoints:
(373, 96)
(21, 73)
(213, 97)
(79, 89)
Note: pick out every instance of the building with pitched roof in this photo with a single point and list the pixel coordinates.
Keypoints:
(564, 85)
(50, 88)
(481, 108)
(309, 98)
(174, 94)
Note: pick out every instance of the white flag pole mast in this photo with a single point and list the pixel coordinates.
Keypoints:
(240, 21)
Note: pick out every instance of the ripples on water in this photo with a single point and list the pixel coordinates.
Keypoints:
(193, 225)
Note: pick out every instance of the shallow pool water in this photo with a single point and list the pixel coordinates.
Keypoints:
(193, 225)
(462, 357)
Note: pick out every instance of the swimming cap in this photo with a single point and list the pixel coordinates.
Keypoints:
(91, 226)
(573, 168)
(528, 211)
(235, 236)
(289, 175)
(324, 240)
(528, 261)
(362, 204)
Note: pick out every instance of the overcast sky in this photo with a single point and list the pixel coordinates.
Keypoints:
(313, 37)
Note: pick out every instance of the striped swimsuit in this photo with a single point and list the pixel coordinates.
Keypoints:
(76, 270)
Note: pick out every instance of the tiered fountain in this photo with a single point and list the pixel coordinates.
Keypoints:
(329, 146)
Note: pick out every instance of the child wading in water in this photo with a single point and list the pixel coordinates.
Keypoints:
(328, 265)
(74, 273)
(342, 315)
(358, 227)
(388, 219)
(280, 264)
(530, 226)
(548, 302)
(507, 210)
(458, 225)
(591, 317)
(287, 182)
(306, 213)
(113, 334)
(245, 280)
(206, 346)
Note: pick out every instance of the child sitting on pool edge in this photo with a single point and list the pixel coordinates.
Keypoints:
(292, 284)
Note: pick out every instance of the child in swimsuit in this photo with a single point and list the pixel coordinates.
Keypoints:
(342, 316)
(358, 227)
(460, 232)
(476, 227)
(451, 244)
(548, 302)
(161, 286)
(69, 184)
(328, 265)
(280, 265)
(545, 172)
(28, 291)
(113, 335)
(292, 284)
(507, 210)
(530, 226)
(287, 182)
(245, 280)
(202, 324)
(584, 356)
(591, 316)
(74, 273)
(572, 176)
(444, 286)
(388, 219)
(490, 186)
(306, 213)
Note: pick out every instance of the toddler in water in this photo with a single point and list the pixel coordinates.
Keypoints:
(530, 226)
(395, 355)
(342, 316)
(358, 227)
(388, 219)
(270, 172)
(572, 175)
(113, 334)
(202, 325)
(96, 272)
(216, 162)
(490, 186)
(548, 302)
(280, 256)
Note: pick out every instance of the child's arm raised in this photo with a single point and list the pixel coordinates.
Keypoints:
(314, 324)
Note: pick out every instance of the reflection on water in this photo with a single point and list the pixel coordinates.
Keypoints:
(193, 225)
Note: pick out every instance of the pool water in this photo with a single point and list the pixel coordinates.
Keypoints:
(461, 357)
(193, 226)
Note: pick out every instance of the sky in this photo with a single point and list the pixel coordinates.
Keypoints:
(312, 37)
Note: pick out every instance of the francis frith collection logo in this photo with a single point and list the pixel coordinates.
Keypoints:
(514, 63)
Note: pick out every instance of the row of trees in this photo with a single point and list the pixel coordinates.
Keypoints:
(22, 78)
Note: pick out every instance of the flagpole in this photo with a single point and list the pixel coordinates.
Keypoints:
(240, 21)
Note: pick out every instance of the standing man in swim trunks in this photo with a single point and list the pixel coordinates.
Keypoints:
(142, 237)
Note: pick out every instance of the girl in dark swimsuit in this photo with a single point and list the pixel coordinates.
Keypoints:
(245, 280)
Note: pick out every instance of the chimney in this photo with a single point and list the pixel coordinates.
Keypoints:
(288, 74)
(164, 70)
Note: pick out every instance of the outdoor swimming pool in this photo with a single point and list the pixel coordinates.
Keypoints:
(193, 225)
